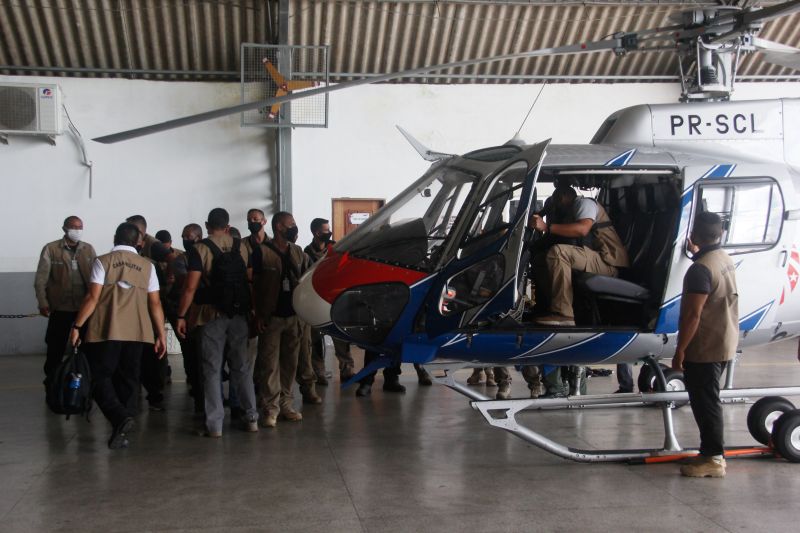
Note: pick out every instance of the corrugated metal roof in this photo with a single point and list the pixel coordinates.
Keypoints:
(200, 39)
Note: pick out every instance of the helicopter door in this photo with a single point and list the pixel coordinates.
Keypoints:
(752, 201)
(482, 283)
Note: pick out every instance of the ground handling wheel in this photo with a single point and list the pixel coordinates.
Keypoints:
(763, 414)
(786, 436)
(647, 378)
(675, 383)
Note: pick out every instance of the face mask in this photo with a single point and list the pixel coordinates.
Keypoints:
(254, 227)
(291, 234)
(75, 235)
(188, 245)
(325, 237)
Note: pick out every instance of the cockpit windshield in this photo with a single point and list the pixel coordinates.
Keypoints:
(410, 230)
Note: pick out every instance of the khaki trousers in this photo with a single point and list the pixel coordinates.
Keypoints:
(276, 364)
(561, 260)
(306, 377)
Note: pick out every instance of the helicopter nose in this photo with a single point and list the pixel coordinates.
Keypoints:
(308, 304)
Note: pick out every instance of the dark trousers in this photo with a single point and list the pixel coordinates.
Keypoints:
(190, 347)
(58, 328)
(153, 374)
(625, 377)
(390, 373)
(702, 384)
(115, 374)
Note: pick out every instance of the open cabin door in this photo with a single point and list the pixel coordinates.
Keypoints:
(482, 282)
(753, 202)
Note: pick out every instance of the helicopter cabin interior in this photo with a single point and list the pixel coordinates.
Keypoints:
(644, 206)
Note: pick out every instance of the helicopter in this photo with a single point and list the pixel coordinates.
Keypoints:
(438, 276)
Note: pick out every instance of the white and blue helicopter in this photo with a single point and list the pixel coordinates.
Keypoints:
(438, 275)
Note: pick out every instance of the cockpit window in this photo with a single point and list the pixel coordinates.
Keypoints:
(410, 230)
(498, 208)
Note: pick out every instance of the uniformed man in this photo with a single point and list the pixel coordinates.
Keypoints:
(61, 282)
(316, 250)
(223, 307)
(256, 220)
(121, 311)
(581, 237)
(708, 335)
(277, 267)
(190, 345)
(151, 247)
(305, 376)
(154, 372)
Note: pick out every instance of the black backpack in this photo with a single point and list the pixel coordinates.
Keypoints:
(228, 289)
(69, 391)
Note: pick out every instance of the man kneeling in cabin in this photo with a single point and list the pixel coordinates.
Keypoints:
(578, 235)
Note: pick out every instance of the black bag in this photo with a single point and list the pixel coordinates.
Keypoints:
(228, 290)
(69, 391)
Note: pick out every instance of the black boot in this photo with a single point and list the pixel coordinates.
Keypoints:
(364, 389)
(393, 385)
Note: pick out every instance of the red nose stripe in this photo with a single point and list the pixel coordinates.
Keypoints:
(339, 272)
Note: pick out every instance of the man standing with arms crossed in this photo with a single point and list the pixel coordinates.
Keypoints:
(707, 338)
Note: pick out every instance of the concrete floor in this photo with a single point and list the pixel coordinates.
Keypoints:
(423, 461)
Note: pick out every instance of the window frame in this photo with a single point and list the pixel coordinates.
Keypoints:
(740, 248)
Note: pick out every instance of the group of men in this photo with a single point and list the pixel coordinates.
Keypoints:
(228, 299)
(223, 292)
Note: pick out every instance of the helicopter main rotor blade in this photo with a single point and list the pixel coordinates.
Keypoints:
(768, 13)
(617, 43)
(764, 44)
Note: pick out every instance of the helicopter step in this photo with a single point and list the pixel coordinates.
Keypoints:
(502, 414)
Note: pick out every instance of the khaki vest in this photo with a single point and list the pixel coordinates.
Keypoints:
(267, 280)
(607, 242)
(718, 332)
(122, 314)
(147, 245)
(51, 287)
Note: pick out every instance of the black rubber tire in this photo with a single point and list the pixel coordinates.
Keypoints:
(786, 436)
(675, 382)
(762, 416)
(647, 378)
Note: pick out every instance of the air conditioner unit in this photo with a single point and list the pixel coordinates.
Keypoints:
(30, 109)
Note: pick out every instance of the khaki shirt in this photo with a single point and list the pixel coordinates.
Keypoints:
(201, 314)
(62, 276)
(718, 331)
(314, 253)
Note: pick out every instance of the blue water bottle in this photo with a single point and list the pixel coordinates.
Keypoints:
(74, 388)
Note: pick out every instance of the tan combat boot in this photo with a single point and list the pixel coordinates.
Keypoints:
(490, 382)
(703, 466)
(475, 378)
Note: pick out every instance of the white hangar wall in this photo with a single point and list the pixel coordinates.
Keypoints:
(175, 177)
(171, 178)
(362, 155)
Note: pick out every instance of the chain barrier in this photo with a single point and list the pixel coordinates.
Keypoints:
(29, 315)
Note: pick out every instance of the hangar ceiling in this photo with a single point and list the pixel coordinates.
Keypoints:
(200, 39)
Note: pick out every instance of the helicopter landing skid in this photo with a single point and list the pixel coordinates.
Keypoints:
(502, 414)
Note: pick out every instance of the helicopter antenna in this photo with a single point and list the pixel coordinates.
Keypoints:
(529, 110)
